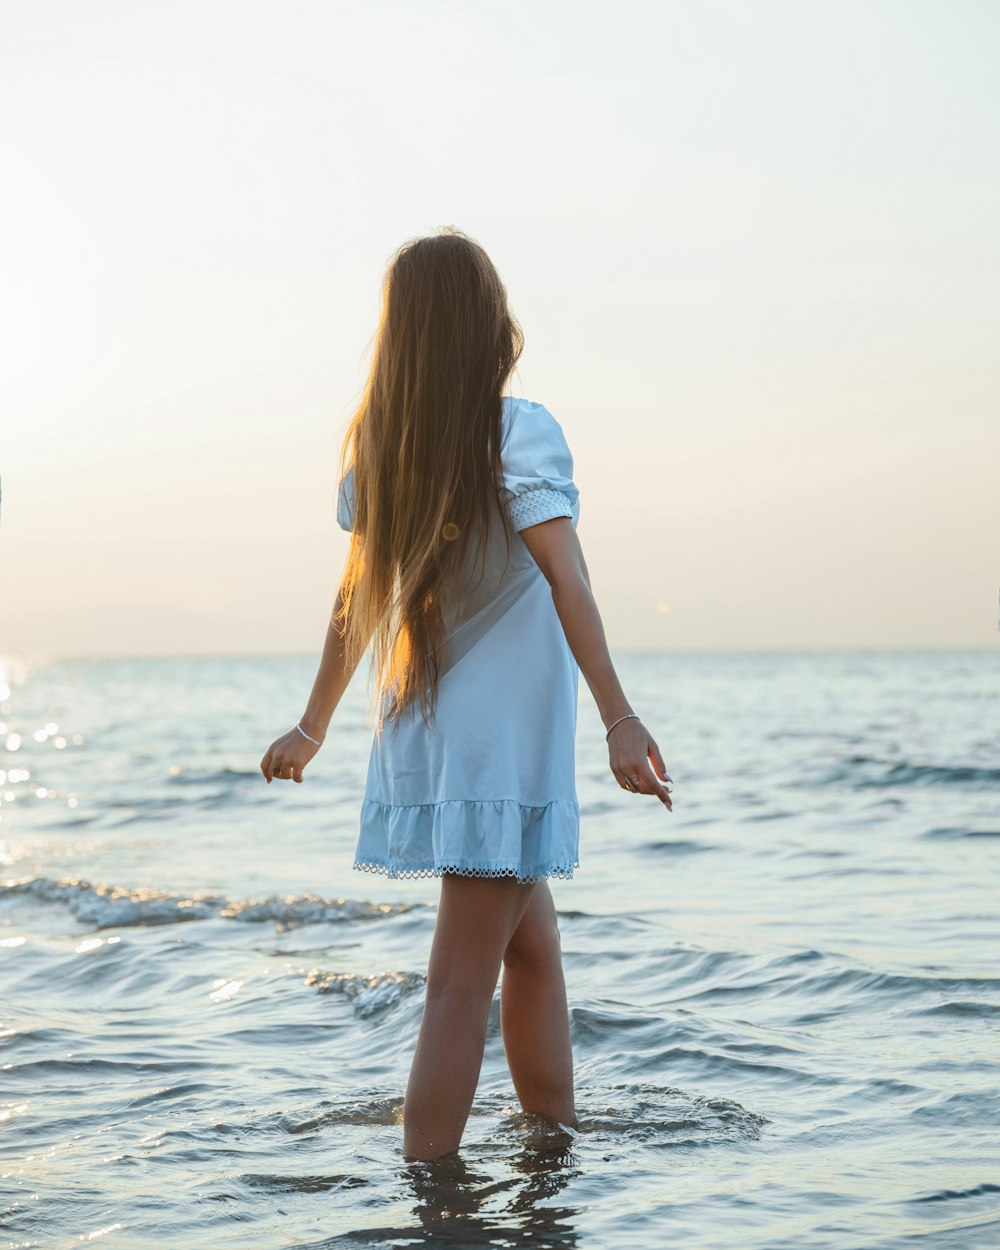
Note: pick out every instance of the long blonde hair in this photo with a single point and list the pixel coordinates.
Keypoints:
(424, 444)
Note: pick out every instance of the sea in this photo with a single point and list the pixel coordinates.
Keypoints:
(785, 994)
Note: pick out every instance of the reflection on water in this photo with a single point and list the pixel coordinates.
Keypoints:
(457, 1203)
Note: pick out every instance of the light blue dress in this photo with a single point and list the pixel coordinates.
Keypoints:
(490, 789)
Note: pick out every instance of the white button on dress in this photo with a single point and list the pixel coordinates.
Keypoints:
(490, 788)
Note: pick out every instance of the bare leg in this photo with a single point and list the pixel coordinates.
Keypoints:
(534, 1016)
(476, 918)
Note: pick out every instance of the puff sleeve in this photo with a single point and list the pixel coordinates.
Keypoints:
(537, 468)
(345, 500)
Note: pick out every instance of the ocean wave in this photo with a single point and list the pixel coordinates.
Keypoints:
(698, 976)
(113, 906)
(365, 1109)
(865, 771)
(203, 777)
(959, 1007)
(675, 846)
(946, 1195)
(669, 1116)
(371, 996)
(950, 833)
(274, 1184)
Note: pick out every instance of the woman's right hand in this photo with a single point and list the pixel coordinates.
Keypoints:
(631, 748)
(287, 756)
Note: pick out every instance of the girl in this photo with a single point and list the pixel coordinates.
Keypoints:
(466, 577)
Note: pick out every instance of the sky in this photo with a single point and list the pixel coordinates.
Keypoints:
(752, 246)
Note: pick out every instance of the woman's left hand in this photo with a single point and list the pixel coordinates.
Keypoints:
(631, 747)
(287, 756)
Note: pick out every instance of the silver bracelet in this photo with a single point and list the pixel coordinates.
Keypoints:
(305, 735)
(619, 721)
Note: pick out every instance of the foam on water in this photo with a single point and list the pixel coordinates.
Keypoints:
(115, 906)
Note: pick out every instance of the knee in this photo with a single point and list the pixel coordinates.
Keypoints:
(537, 949)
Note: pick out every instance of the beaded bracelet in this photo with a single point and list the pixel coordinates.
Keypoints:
(619, 721)
(305, 735)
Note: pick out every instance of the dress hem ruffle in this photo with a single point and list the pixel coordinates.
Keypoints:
(470, 837)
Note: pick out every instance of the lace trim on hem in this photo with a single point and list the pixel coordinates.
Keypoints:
(466, 870)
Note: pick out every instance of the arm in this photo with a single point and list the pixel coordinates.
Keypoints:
(291, 752)
(556, 549)
(332, 679)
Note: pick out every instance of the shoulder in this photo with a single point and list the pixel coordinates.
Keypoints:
(535, 453)
(524, 418)
(514, 405)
